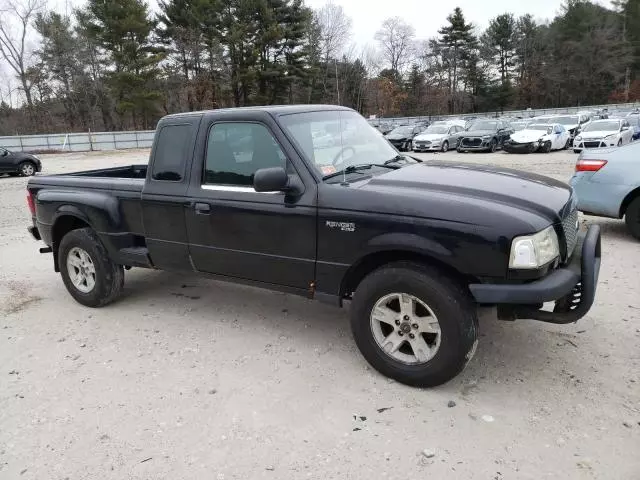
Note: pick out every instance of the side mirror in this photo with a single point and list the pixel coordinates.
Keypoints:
(624, 128)
(273, 179)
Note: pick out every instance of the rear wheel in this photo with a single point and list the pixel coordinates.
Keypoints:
(414, 324)
(27, 169)
(90, 276)
(445, 146)
(632, 217)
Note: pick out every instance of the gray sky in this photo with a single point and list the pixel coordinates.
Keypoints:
(427, 16)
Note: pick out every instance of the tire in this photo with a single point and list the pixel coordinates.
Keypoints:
(568, 144)
(108, 277)
(620, 142)
(451, 305)
(576, 151)
(493, 146)
(445, 146)
(27, 169)
(459, 150)
(547, 147)
(632, 218)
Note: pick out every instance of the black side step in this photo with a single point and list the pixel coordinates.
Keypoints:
(135, 257)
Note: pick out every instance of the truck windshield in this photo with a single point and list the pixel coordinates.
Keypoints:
(334, 140)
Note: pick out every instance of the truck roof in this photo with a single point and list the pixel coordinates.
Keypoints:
(273, 109)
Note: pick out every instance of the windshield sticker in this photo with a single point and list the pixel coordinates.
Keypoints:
(344, 226)
(327, 169)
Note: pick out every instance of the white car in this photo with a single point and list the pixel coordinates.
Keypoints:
(440, 136)
(542, 137)
(603, 133)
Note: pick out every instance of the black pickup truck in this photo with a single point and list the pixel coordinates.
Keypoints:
(250, 195)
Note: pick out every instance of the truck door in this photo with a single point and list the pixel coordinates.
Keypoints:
(163, 196)
(237, 232)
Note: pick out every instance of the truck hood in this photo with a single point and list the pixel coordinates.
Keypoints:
(527, 136)
(471, 183)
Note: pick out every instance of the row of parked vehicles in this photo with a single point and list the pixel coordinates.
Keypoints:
(538, 134)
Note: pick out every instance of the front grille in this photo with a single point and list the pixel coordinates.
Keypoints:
(591, 144)
(471, 142)
(423, 144)
(569, 227)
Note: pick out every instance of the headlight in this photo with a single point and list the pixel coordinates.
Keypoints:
(579, 138)
(486, 137)
(534, 251)
(611, 136)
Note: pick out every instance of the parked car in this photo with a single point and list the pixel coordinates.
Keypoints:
(322, 139)
(634, 123)
(439, 137)
(19, 163)
(537, 137)
(603, 133)
(573, 124)
(415, 246)
(484, 135)
(607, 184)
(401, 137)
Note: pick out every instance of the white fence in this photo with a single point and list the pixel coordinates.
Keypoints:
(79, 142)
(82, 142)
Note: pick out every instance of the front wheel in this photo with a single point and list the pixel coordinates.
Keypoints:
(445, 146)
(27, 169)
(546, 148)
(414, 324)
(493, 146)
(90, 276)
(620, 142)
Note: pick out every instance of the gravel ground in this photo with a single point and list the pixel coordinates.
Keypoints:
(190, 378)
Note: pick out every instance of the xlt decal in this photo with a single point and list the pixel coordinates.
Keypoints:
(344, 226)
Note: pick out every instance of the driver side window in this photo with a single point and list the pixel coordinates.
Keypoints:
(235, 151)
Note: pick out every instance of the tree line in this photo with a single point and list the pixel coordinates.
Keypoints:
(116, 65)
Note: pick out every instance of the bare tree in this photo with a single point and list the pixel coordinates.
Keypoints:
(15, 23)
(334, 29)
(396, 40)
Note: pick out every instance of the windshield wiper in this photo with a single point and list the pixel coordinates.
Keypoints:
(357, 168)
(399, 158)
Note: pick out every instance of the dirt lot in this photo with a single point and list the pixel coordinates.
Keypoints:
(187, 378)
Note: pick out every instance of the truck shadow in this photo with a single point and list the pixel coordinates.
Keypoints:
(519, 356)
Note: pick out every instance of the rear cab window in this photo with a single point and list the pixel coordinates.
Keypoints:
(170, 155)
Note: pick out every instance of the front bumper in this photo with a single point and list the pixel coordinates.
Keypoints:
(571, 287)
(471, 144)
(596, 143)
(521, 147)
(427, 148)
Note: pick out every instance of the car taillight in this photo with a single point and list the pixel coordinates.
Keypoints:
(590, 165)
(31, 204)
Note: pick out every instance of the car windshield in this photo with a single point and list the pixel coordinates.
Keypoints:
(566, 120)
(482, 125)
(355, 142)
(402, 131)
(601, 127)
(545, 128)
(519, 125)
(437, 129)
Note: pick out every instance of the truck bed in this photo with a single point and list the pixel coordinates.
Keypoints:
(126, 178)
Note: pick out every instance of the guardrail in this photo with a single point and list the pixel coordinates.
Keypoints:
(79, 142)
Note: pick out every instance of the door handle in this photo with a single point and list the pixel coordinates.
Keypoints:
(202, 208)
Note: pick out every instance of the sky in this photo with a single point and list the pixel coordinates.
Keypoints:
(427, 16)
